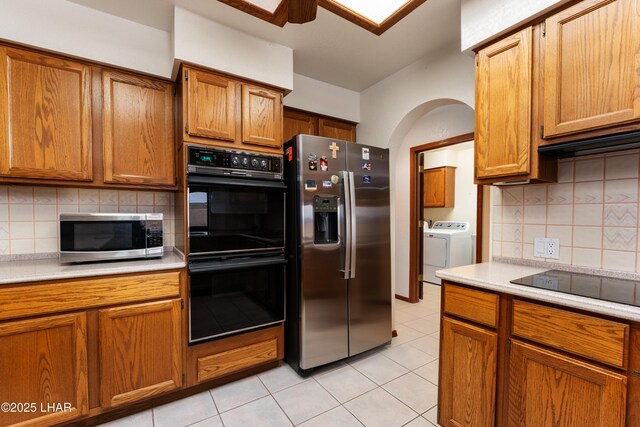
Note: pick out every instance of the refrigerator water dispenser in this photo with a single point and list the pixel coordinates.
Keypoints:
(325, 220)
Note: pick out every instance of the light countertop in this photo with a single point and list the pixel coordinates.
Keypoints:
(495, 276)
(32, 270)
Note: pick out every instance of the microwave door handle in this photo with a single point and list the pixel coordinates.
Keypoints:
(346, 272)
(352, 211)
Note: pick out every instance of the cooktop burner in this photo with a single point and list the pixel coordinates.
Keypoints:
(599, 287)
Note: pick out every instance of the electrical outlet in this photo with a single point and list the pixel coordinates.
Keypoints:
(553, 248)
(546, 248)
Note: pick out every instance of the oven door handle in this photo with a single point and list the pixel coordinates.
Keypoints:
(234, 264)
(240, 182)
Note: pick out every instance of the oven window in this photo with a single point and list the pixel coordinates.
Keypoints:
(228, 301)
(100, 236)
(233, 218)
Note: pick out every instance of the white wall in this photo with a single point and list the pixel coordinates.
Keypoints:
(460, 156)
(392, 105)
(62, 26)
(323, 98)
(481, 20)
(207, 43)
(388, 112)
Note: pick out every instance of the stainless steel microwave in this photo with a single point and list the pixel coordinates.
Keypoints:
(108, 236)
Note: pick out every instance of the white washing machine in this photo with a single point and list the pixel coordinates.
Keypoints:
(446, 244)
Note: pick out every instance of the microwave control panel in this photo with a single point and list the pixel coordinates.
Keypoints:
(211, 161)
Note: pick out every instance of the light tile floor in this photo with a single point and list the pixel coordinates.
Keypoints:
(395, 385)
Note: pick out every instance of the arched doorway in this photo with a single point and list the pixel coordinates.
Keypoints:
(432, 122)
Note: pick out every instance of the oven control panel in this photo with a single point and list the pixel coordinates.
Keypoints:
(214, 161)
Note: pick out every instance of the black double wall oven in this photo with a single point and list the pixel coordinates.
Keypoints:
(236, 221)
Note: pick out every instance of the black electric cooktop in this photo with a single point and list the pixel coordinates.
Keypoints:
(599, 287)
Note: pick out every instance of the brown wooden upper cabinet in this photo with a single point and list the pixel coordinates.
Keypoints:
(137, 117)
(573, 76)
(211, 101)
(298, 121)
(503, 107)
(228, 113)
(45, 117)
(295, 122)
(591, 68)
(261, 116)
(337, 129)
(439, 187)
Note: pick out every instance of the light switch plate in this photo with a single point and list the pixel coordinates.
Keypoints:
(540, 247)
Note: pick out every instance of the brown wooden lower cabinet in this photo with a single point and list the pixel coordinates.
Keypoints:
(549, 389)
(43, 370)
(543, 365)
(140, 351)
(468, 366)
(121, 346)
(223, 357)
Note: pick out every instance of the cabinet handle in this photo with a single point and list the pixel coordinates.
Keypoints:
(635, 373)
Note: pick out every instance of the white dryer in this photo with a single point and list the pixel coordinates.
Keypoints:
(446, 244)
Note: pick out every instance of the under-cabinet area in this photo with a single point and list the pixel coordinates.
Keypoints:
(510, 359)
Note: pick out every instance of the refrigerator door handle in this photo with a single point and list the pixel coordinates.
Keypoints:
(346, 182)
(352, 214)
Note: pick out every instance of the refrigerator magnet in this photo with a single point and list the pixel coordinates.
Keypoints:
(310, 185)
(313, 165)
(366, 166)
(366, 179)
(324, 163)
(312, 157)
(335, 179)
(365, 154)
(327, 184)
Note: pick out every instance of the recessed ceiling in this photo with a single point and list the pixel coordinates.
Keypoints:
(376, 11)
(330, 48)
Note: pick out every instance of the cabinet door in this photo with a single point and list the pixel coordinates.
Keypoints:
(44, 362)
(548, 389)
(503, 107)
(468, 366)
(337, 129)
(591, 71)
(261, 116)
(137, 130)
(439, 187)
(295, 122)
(140, 352)
(45, 117)
(211, 106)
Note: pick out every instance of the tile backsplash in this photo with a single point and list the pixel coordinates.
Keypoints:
(593, 210)
(29, 214)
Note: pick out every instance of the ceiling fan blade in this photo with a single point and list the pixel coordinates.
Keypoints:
(301, 11)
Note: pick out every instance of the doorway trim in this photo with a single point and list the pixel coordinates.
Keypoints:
(415, 233)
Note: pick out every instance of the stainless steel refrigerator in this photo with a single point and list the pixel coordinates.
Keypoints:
(338, 250)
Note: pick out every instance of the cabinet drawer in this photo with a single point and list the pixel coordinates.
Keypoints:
(80, 294)
(471, 304)
(237, 359)
(598, 339)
